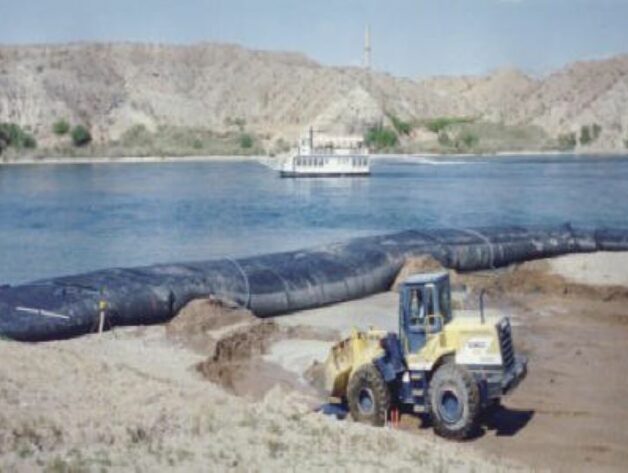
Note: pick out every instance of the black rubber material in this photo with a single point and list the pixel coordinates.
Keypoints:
(452, 378)
(368, 378)
(277, 283)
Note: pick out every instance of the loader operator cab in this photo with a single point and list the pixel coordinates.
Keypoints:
(424, 308)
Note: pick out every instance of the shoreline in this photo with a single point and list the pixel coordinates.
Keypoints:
(128, 160)
(266, 159)
(502, 154)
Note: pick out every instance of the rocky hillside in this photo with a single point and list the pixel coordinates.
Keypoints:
(114, 87)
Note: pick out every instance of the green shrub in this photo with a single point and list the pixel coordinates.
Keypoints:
(567, 141)
(401, 127)
(436, 125)
(596, 131)
(444, 139)
(585, 135)
(137, 135)
(281, 146)
(380, 137)
(246, 141)
(60, 127)
(13, 135)
(29, 142)
(4, 140)
(81, 136)
(467, 140)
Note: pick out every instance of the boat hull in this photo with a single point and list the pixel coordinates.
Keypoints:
(295, 174)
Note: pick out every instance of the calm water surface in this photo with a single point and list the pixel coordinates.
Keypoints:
(65, 219)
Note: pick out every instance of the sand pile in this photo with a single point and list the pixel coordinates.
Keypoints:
(599, 276)
(201, 322)
(538, 278)
(233, 342)
(421, 264)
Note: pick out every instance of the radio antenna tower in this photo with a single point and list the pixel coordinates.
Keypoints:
(367, 48)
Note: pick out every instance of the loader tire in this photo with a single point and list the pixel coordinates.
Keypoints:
(368, 396)
(454, 402)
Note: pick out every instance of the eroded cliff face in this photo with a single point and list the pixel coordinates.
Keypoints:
(112, 87)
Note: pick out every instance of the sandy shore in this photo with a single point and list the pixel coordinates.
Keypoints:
(134, 399)
(219, 387)
(126, 160)
(500, 155)
(270, 160)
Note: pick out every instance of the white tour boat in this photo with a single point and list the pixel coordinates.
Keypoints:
(334, 158)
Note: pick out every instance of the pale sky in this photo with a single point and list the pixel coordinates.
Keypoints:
(409, 37)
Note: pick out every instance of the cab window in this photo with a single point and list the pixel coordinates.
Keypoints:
(417, 310)
(444, 302)
(429, 299)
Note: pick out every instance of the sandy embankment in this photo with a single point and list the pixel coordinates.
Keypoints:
(136, 399)
(217, 389)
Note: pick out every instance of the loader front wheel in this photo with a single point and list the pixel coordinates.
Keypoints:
(368, 396)
(454, 401)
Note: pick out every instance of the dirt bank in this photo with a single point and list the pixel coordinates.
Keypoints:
(132, 400)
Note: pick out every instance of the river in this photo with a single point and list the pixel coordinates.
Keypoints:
(63, 219)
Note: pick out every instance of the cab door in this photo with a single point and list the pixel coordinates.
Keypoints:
(413, 319)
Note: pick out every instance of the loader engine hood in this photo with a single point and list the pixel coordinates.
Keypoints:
(476, 341)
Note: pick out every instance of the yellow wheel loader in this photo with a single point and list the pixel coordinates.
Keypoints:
(448, 367)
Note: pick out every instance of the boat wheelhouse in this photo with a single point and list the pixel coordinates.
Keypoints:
(345, 157)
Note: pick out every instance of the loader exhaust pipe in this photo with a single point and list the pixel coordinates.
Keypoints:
(482, 305)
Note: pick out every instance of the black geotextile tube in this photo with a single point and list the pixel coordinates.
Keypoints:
(274, 284)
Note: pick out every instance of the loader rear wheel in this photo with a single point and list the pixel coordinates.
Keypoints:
(454, 401)
(368, 396)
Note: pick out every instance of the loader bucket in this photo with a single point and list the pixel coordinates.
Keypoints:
(348, 355)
